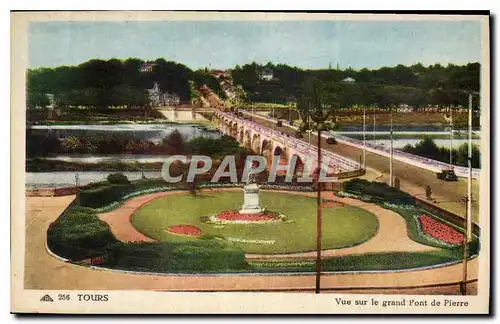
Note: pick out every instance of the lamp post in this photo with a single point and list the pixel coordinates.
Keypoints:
(77, 186)
(451, 138)
(468, 200)
(469, 186)
(391, 155)
(318, 219)
(364, 137)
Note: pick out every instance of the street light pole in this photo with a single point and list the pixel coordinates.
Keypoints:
(468, 214)
(390, 160)
(451, 138)
(469, 187)
(77, 185)
(318, 218)
(364, 137)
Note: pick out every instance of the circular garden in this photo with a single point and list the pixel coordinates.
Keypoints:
(288, 225)
(203, 231)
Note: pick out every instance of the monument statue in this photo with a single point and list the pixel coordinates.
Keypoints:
(251, 197)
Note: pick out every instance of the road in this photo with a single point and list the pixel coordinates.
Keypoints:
(413, 179)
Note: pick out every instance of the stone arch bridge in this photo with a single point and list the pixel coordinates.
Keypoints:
(270, 142)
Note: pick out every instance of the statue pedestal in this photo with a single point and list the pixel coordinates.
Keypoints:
(251, 200)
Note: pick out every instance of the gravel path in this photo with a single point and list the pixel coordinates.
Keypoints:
(391, 236)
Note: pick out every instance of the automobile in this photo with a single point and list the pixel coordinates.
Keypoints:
(331, 140)
(447, 175)
(279, 123)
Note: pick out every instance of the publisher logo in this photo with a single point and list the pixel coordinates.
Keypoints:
(46, 298)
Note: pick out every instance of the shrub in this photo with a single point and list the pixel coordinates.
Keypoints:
(203, 256)
(78, 234)
(118, 178)
(102, 196)
(379, 192)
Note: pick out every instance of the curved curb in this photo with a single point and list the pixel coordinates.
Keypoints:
(52, 254)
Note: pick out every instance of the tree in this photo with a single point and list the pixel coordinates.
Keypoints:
(174, 143)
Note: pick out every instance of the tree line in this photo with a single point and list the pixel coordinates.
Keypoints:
(428, 148)
(416, 86)
(100, 84)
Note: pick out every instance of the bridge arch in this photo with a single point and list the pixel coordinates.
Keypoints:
(234, 130)
(281, 156)
(267, 151)
(241, 133)
(247, 140)
(299, 167)
(256, 143)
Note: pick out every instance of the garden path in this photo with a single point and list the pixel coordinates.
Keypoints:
(44, 271)
(391, 236)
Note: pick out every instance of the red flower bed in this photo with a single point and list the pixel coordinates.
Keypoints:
(234, 215)
(439, 230)
(185, 230)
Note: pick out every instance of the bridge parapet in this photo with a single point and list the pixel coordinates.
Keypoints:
(299, 146)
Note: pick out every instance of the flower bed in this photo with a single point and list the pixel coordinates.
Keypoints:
(440, 231)
(235, 217)
(344, 194)
(184, 230)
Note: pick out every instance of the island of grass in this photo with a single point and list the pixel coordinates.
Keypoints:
(342, 226)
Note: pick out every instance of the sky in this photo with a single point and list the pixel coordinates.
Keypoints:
(224, 44)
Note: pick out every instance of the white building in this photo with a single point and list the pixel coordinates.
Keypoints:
(171, 99)
(266, 74)
(157, 98)
(147, 67)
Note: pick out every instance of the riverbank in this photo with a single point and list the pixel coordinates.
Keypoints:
(43, 165)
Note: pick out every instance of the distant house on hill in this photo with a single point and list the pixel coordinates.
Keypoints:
(266, 74)
(147, 67)
(349, 79)
(219, 74)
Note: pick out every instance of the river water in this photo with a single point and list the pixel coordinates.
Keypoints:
(108, 158)
(152, 132)
(67, 179)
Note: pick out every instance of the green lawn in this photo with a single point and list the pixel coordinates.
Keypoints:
(342, 227)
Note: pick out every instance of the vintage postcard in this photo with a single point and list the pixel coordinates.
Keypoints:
(250, 162)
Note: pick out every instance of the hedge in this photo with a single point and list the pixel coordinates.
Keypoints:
(192, 257)
(78, 234)
(96, 195)
(102, 196)
(367, 261)
(378, 192)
